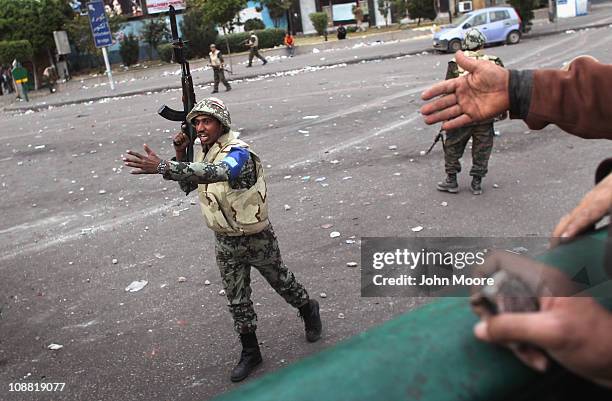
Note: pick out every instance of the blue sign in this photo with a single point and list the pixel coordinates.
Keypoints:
(99, 24)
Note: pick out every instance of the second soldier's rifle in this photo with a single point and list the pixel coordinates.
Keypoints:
(222, 68)
(178, 46)
(436, 140)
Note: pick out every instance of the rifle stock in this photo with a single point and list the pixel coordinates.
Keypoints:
(178, 47)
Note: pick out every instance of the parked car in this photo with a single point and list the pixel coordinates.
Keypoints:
(498, 24)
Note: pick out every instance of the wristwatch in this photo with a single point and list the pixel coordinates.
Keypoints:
(162, 167)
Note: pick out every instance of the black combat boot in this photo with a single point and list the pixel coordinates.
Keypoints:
(476, 185)
(249, 358)
(309, 312)
(449, 185)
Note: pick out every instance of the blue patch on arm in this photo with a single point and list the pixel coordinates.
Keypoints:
(236, 159)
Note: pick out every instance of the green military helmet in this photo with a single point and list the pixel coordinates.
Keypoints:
(473, 40)
(214, 107)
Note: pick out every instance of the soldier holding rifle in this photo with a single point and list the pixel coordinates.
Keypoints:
(253, 43)
(230, 181)
(218, 65)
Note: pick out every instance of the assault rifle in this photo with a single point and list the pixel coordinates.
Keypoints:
(178, 46)
(436, 140)
(224, 69)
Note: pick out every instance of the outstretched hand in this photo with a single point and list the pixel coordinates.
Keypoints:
(480, 95)
(142, 164)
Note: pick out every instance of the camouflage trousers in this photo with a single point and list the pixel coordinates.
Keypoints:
(482, 145)
(219, 76)
(254, 52)
(235, 256)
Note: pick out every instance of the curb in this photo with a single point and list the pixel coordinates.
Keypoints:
(37, 108)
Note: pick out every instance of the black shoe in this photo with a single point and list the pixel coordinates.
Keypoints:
(215, 91)
(476, 185)
(229, 88)
(312, 320)
(250, 357)
(265, 62)
(449, 184)
(249, 65)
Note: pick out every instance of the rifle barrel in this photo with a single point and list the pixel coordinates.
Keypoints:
(173, 26)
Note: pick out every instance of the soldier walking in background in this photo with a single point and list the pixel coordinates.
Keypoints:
(230, 181)
(218, 65)
(481, 133)
(253, 43)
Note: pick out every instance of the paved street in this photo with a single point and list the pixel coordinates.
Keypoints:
(77, 228)
(165, 76)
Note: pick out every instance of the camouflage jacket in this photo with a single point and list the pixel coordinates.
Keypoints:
(230, 183)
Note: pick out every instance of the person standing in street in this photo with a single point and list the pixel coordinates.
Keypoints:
(359, 16)
(253, 43)
(20, 78)
(50, 76)
(341, 32)
(218, 65)
(229, 178)
(481, 133)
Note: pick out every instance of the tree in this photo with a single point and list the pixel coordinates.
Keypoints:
(20, 50)
(129, 50)
(34, 21)
(524, 8)
(384, 6)
(277, 9)
(418, 9)
(221, 12)
(154, 32)
(398, 9)
(199, 34)
(319, 21)
(253, 24)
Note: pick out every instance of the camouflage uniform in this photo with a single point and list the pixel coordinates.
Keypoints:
(236, 253)
(231, 186)
(253, 43)
(216, 61)
(481, 134)
(235, 256)
(482, 145)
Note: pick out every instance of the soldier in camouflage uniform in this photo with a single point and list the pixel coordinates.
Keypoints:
(230, 181)
(481, 133)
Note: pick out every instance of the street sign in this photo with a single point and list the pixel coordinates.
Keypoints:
(61, 42)
(99, 24)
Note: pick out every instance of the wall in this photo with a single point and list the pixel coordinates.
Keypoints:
(306, 8)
